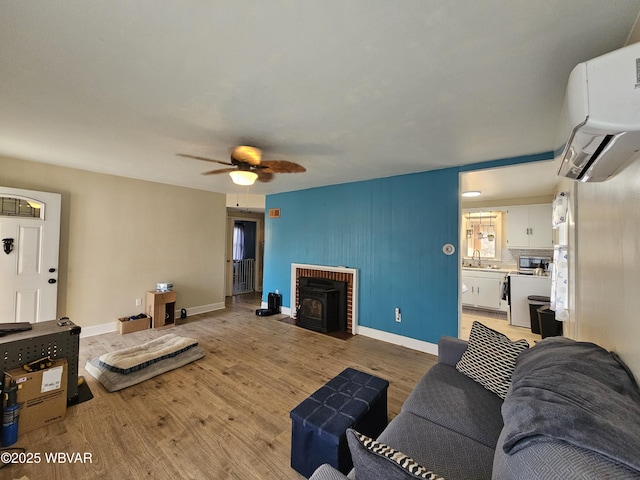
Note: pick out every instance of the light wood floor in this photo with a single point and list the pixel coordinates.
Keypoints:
(225, 416)
(495, 322)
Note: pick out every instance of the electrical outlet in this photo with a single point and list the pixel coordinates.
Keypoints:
(398, 315)
(138, 302)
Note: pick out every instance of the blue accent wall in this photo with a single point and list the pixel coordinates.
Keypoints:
(392, 230)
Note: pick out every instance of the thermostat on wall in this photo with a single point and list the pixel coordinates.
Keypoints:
(448, 249)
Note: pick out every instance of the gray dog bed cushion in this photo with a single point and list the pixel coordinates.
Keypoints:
(114, 381)
(131, 359)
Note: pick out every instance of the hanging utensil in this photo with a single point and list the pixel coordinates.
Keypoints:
(491, 236)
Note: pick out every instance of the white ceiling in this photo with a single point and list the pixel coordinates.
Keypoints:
(524, 180)
(352, 90)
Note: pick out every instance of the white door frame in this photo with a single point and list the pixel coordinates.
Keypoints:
(231, 218)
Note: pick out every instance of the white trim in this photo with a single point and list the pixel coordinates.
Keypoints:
(212, 307)
(326, 268)
(110, 327)
(94, 330)
(412, 343)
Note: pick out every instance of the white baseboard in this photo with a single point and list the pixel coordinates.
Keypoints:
(212, 307)
(412, 343)
(408, 342)
(99, 329)
(93, 330)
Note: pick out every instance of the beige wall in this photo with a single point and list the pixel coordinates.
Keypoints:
(120, 236)
(608, 264)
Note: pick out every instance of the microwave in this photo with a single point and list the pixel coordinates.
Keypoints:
(529, 264)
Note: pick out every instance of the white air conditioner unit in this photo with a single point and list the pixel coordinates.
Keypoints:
(599, 132)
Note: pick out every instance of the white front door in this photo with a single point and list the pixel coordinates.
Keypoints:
(30, 234)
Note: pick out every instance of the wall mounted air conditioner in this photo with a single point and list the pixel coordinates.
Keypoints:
(600, 124)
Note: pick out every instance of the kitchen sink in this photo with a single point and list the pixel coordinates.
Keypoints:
(493, 268)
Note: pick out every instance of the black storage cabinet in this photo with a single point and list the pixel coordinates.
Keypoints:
(54, 339)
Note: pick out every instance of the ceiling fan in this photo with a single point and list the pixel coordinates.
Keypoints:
(248, 166)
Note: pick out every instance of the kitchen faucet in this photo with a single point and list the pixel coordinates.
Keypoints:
(474, 256)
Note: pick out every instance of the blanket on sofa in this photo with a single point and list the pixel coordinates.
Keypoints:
(576, 392)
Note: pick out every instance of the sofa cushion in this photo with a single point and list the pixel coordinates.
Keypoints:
(373, 460)
(454, 401)
(552, 459)
(327, 472)
(490, 358)
(447, 453)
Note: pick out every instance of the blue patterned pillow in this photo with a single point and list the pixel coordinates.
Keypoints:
(373, 460)
(490, 358)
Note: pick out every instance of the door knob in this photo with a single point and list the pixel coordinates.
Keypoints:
(52, 280)
(51, 270)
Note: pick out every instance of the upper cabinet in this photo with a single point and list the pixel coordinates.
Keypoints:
(529, 226)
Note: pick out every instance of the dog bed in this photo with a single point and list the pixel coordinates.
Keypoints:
(114, 381)
(131, 359)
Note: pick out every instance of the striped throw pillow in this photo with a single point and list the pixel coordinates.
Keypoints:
(490, 358)
(374, 460)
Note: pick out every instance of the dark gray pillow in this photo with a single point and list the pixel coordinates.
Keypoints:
(373, 460)
(490, 358)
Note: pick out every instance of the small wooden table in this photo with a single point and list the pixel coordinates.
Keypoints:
(161, 307)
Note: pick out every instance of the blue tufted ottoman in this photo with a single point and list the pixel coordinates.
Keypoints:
(318, 432)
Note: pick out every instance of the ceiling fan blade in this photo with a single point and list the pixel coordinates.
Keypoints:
(203, 158)
(263, 175)
(281, 166)
(216, 172)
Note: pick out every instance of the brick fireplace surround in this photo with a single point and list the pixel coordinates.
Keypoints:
(341, 274)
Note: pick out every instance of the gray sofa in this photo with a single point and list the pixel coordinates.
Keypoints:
(458, 429)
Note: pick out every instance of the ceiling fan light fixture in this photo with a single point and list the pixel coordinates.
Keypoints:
(243, 177)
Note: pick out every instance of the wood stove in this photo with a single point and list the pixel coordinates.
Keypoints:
(322, 305)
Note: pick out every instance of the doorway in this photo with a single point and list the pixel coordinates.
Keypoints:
(500, 188)
(245, 248)
(244, 256)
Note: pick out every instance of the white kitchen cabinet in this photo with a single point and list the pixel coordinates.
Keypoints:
(529, 226)
(484, 289)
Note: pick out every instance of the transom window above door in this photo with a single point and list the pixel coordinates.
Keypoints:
(20, 207)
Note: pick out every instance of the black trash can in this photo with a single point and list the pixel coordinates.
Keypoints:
(535, 302)
(549, 326)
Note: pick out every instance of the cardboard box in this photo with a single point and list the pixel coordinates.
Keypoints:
(127, 326)
(42, 395)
